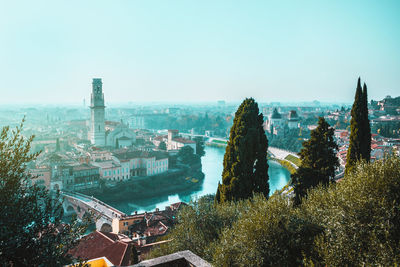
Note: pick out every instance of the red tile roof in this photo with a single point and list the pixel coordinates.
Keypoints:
(184, 141)
(99, 244)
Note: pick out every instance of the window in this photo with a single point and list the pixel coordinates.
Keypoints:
(125, 223)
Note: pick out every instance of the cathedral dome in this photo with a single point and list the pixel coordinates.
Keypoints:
(276, 114)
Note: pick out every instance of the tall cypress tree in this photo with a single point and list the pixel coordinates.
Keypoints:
(366, 128)
(245, 162)
(360, 131)
(318, 160)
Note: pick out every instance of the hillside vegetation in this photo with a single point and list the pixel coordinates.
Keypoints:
(353, 222)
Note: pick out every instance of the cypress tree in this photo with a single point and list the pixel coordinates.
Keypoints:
(360, 131)
(245, 161)
(318, 160)
(366, 128)
(134, 255)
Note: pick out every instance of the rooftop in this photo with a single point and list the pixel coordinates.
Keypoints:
(183, 140)
(100, 244)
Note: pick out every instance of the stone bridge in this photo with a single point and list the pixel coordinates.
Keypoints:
(80, 204)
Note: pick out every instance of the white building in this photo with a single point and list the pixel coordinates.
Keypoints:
(175, 142)
(275, 123)
(143, 163)
(110, 170)
(120, 136)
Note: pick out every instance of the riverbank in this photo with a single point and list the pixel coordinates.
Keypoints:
(286, 164)
(141, 198)
(172, 182)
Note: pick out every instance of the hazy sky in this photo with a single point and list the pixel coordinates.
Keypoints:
(172, 50)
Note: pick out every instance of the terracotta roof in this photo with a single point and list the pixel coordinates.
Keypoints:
(176, 206)
(160, 137)
(107, 164)
(140, 154)
(184, 140)
(155, 230)
(99, 244)
(84, 167)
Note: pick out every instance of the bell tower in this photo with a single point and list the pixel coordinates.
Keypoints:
(97, 131)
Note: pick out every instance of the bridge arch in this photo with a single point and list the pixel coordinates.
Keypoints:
(70, 210)
(106, 227)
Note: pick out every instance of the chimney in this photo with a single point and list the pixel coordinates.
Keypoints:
(157, 209)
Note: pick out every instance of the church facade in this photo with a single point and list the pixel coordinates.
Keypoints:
(114, 136)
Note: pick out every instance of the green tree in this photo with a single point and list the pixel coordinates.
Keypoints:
(318, 161)
(360, 216)
(366, 127)
(162, 146)
(31, 230)
(360, 131)
(187, 156)
(199, 226)
(58, 145)
(245, 162)
(199, 146)
(269, 233)
(134, 255)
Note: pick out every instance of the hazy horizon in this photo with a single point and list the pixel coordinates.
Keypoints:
(205, 51)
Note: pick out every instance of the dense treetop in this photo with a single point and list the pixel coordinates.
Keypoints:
(318, 160)
(360, 130)
(31, 230)
(245, 161)
(350, 223)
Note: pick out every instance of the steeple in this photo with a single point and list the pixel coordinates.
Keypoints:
(97, 132)
(97, 97)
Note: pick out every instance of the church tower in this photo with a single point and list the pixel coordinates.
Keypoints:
(97, 131)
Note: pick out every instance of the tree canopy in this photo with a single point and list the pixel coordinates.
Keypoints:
(31, 230)
(318, 160)
(245, 161)
(360, 130)
(350, 223)
(200, 146)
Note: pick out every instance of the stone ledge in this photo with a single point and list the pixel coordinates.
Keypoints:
(184, 258)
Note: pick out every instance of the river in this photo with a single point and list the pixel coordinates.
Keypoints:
(212, 164)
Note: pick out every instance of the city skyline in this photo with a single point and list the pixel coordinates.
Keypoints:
(173, 51)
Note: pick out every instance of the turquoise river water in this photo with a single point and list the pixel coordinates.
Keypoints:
(212, 168)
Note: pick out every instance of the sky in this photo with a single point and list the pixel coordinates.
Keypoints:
(189, 51)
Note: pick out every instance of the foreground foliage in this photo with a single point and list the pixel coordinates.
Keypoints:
(353, 222)
(31, 230)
